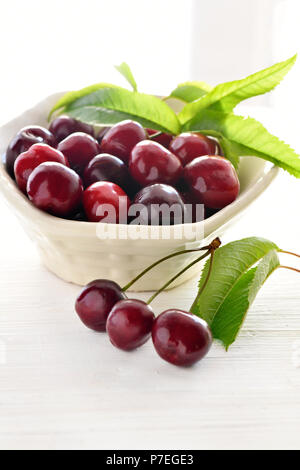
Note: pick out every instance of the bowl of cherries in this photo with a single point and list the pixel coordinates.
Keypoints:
(61, 179)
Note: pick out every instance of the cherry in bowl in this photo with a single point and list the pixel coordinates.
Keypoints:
(181, 338)
(163, 138)
(120, 139)
(213, 181)
(161, 205)
(63, 126)
(188, 146)
(105, 167)
(95, 302)
(129, 324)
(24, 139)
(80, 149)
(152, 163)
(107, 202)
(28, 161)
(54, 188)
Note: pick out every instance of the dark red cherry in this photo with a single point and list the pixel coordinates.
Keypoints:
(106, 200)
(101, 134)
(151, 197)
(215, 146)
(181, 338)
(54, 188)
(151, 163)
(163, 139)
(25, 138)
(95, 302)
(121, 138)
(189, 146)
(63, 126)
(80, 149)
(129, 324)
(28, 161)
(105, 167)
(194, 212)
(213, 181)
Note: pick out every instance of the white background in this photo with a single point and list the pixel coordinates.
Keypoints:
(61, 386)
(57, 45)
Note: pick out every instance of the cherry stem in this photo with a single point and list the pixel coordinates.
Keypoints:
(211, 261)
(214, 245)
(157, 134)
(289, 267)
(177, 275)
(289, 253)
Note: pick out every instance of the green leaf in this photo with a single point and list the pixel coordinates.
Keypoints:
(71, 96)
(190, 91)
(247, 137)
(107, 117)
(125, 70)
(226, 96)
(232, 313)
(227, 283)
(126, 104)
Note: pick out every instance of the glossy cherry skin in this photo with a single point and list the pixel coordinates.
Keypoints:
(104, 192)
(181, 338)
(213, 181)
(105, 167)
(101, 134)
(194, 211)
(163, 139)
(25, 138)
(155, 195)
(152, 163)
(94, 303)
(215, 146)
(80, 149)
(129, 324)
(54, 188)
(189, 146)
(63, 126)
(28, 161)
(120, 139)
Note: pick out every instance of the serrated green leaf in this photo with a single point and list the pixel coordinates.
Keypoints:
(108, 117)
(232, 313)
(248, 137)
(137, 106)
(190, 91)
(71, 96)
(125, 70)
(231, 263)
(226, 96)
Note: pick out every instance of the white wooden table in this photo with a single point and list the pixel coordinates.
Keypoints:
(65, 387)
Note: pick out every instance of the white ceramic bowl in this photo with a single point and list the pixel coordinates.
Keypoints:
(73, 251)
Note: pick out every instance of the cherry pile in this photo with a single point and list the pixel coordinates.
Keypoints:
(179, 337)
(70, 172)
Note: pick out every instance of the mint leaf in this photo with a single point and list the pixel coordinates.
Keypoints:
(247, 137)
(125, 70)
(126, 104)
(226, 96)
(190, 91)
(233, 285)
(72, 96)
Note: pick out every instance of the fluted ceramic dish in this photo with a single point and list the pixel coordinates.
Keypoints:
(73, 251)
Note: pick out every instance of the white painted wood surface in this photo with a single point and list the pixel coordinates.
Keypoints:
(64, 387)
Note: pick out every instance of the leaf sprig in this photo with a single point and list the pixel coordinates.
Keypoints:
(238, 272)
(206, 109)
